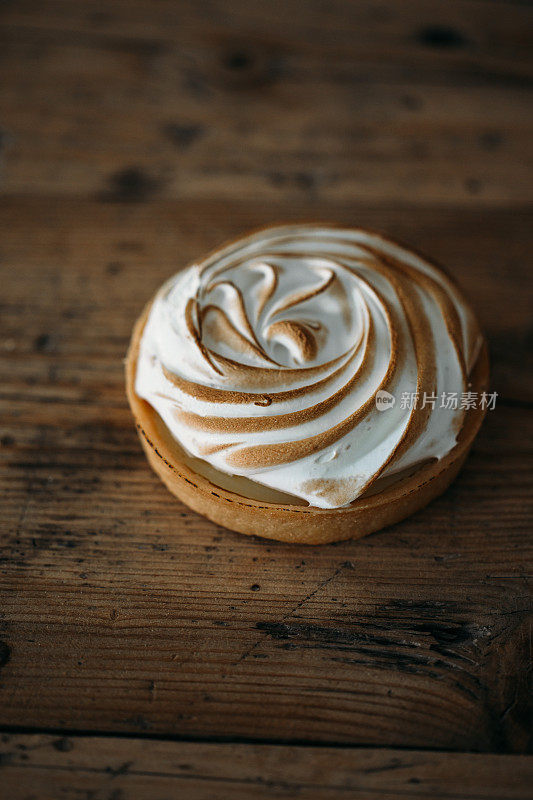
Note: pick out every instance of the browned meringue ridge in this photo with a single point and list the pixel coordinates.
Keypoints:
(280, 369)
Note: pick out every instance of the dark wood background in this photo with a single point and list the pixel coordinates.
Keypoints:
(144, 652)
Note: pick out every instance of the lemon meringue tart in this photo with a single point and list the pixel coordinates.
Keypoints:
(307, 383)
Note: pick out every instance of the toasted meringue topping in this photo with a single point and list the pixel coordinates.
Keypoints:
(265, 360)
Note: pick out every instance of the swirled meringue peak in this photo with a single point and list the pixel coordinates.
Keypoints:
(264, 361)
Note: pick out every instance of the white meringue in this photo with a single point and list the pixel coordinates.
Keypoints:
(265, 360)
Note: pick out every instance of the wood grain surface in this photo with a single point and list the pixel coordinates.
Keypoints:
(136, 136)
(71, 767)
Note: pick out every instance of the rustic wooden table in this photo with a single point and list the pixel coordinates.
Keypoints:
(145, 652)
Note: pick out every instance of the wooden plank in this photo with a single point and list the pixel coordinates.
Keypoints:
(69, 767)
(352, 103)
(122, 611)
(67, 263)
(479, 33)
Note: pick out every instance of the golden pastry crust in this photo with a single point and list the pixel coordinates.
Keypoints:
(297, 523)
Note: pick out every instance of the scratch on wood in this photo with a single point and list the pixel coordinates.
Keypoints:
(320, 585)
